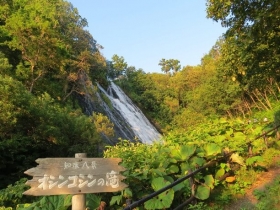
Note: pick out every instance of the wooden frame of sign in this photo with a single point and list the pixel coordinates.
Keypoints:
(56, 176)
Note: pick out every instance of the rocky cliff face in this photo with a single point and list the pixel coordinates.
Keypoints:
(129, 122)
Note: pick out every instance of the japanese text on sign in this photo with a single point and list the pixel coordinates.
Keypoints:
(58, 176)
(82, 165)
(80, 181)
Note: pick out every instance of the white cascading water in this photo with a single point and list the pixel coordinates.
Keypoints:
(140, 125)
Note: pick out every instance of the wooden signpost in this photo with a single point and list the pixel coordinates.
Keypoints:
(80, 175)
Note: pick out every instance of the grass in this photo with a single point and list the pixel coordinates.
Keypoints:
(269, 198)
(233, 194)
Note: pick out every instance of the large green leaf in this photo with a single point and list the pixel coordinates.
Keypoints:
(202, 192)
(163, 200)
(115, 199)
(26, 206)
(68, 200)
(158, 171)
(219, 173)
(212, 149)
(250, 161)
(197, 161)
(127, 193)
(92, 201)
(239, 137)
(178, 186)
(182, 152)
(172, 169)
(209, 181)
(185, 167)
(53, 202)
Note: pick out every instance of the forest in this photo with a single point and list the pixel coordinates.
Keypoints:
(225, 110)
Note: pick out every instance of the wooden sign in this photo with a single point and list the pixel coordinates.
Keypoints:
(56, 176)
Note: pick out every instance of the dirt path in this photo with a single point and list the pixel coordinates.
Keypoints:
(248, 201)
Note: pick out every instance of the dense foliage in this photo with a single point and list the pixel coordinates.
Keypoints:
(45, 55)
(251, 52)
(152, 167)
(212, 111)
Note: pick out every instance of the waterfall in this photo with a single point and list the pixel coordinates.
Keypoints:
(137, 121)
(129, 121)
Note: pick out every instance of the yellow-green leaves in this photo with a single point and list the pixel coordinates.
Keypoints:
(212, 150)
(182, 152)
(103, 124)
(163, 200)
(235, 158)
(202, 191)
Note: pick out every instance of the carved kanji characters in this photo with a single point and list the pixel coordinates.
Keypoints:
(75, 165)
(112, 179)
(93, 164)
(67, 165)
(85, 165)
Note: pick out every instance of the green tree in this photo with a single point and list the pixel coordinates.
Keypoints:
(5, 66)
(251, 52)
(175, 65)
(119, 66)
(103, 125)
(53, 46)
(33, 127)
(170, 66)
(211, 92)
(31, 26)
(164, 66)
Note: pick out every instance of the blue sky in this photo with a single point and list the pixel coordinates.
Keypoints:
(145, 31)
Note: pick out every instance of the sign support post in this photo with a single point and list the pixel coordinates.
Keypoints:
(75, 176)
(79, 200)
